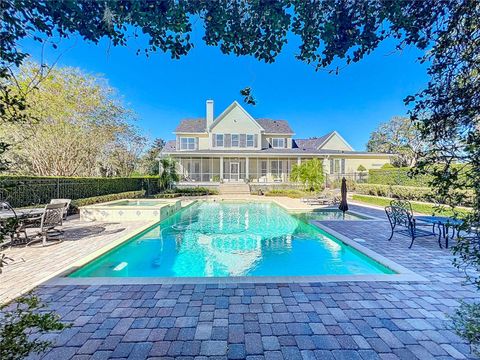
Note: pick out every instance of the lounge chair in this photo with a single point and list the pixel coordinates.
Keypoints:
(324, 198)
(402, 222)
(51, 218)
(67, 203)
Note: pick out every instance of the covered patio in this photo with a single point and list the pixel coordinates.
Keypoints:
(236, 169)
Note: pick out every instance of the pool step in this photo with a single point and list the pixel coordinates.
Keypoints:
(234, 188)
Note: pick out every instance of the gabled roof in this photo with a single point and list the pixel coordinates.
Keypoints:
(313, 143)
(275, 126)
(170, 146)
(228, 109)
(192, 125)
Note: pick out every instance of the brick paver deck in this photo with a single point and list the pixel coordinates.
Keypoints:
(344, 320)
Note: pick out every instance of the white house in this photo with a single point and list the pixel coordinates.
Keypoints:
(235, 147)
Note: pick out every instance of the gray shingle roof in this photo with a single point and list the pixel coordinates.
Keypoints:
(170, 146)
(312, 143)
(192, 125)
(275, 126)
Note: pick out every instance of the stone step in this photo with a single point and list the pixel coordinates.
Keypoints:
(236, 188)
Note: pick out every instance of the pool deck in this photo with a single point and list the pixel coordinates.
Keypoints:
(321, 320)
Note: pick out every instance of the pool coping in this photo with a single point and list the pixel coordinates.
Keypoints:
(402, 274)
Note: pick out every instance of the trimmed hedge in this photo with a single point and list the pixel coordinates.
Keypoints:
(407, 192)
(104, 198)
(192, 191)
(296, 194)
(397, 176)
(31, 190)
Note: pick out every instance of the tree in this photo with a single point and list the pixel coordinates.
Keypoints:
(74, 125)
(310, 173)
(168, 175)
(398, 136)
(149, 161)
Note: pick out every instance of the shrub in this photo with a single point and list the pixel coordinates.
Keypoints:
(361, 168)
(31, 190)
(288, 193)
(396, 176)
(192, 191)
(104, 198)
(466, 322)
(408, 193)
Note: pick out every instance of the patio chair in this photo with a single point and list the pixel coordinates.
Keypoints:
(12, 226)
(51, 218)
(402, 222)
(407, 205)
(67, 203)
(324, 198)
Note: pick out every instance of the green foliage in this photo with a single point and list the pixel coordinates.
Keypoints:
(309, 173)
(149, 162)
(291, 193)
(397, 176)
(104, 198)
(399, 136)
(466, 322)
(19, 321)
(387, 166)
(422, 208)
(192, 191)
(30, 190)
(409, 193)
(169, 175)
(361, 168)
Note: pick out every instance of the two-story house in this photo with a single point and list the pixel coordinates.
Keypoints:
(235, 147)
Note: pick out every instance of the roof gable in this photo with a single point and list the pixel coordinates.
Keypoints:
(335, 141)
(228, 110)
(275, 126)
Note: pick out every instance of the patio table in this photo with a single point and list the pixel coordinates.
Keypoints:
(21, 213)
(444, 223)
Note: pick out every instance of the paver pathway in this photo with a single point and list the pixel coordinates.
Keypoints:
(344, 320)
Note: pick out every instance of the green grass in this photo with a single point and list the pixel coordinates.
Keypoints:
(423, 208)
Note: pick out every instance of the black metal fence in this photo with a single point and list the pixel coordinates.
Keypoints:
(334, 180)
(27, 191)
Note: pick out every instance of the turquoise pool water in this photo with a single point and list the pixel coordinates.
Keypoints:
(210, 239)
(333, 214)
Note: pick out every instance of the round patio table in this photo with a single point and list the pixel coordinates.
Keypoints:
(444, 224)
(23, 213)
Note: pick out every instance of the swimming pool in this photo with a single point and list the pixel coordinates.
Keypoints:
(330, 214)
(216, 239)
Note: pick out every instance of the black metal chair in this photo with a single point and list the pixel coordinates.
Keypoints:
(402, 222)
(407, 205)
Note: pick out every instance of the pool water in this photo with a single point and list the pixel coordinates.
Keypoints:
(212, 239)
(333, 214)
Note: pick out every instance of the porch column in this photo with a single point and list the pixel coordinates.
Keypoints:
(221, 168)
(246, 167)
(299, 160)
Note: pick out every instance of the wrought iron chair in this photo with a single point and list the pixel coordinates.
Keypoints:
(13, 227)
(62, 201)
(51, 218)
(407, 205)
(402, 222)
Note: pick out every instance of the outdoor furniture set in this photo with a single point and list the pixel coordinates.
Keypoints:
(402, 221)
(327, 197)
(14, 224)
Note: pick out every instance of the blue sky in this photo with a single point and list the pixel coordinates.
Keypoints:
(162, 91)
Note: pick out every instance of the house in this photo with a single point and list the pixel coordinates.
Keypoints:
(235, 147)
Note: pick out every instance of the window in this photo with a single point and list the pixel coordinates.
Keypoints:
(264, 168)
(187, 143)
(235, 140)
(278, 143)
(337, 166)
(250, 141)
(219, 140)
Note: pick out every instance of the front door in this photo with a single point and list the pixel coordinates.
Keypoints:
(234, 171)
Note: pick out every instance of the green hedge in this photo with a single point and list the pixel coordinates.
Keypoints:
(104, 198)
(396, 176)
(29, 190)
(407, 192)
(296, 194)
(193, 191)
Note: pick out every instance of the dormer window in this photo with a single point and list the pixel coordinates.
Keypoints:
(250, 141)
(235, 140)
(278, 143)
(219, 140)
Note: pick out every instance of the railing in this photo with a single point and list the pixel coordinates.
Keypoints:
(28, 191)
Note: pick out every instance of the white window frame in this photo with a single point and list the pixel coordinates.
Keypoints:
(278, 141)
(217, 136)
(237, 141)
(252, 140)
(189, 143)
